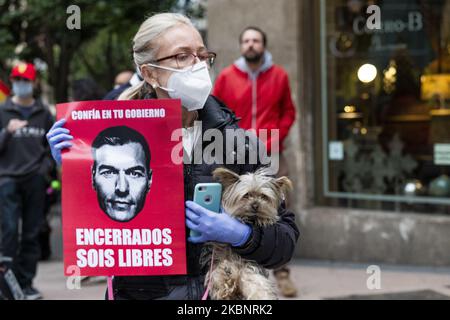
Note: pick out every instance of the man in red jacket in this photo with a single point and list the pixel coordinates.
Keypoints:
(258, 92)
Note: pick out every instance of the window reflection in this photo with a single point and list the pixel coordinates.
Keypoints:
(388, 103)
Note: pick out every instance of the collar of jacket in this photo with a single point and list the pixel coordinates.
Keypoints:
(11, 106)
(241, 64)
(214, 115)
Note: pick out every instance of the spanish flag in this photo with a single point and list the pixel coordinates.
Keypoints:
(4, 92)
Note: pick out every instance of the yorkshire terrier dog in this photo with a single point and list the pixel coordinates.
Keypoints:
(253, 198)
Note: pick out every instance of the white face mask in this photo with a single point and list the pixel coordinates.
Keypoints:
(22, 89)
(192, 85)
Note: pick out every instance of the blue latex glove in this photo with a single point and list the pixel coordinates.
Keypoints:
(215, 227)
(58, 138)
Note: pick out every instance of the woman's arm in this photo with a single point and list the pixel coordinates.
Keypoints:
(272, 246)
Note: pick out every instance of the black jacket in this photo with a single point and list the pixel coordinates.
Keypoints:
(115, 93)
(271, 247)
(25, 152)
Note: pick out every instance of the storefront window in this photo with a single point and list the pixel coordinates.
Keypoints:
(386, 104)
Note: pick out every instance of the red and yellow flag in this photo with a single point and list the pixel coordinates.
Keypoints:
(4, 91)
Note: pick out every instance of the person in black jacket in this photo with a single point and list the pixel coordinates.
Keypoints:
(25, 163)
(174, 64)
(120, 88)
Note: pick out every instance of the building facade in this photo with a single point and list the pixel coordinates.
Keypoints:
(369, 153)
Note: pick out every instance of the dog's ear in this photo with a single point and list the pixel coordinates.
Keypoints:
(225, 176)
(284, 185)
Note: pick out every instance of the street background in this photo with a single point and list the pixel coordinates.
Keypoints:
(314, 280)
(369, 150)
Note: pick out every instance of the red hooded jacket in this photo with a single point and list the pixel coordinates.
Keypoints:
(261, 99)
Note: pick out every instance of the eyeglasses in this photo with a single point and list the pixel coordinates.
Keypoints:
(186, 59)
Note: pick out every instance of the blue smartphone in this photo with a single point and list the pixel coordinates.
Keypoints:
(209, 196)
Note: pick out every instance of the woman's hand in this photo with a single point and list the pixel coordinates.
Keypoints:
(58, 138)
(215, 227)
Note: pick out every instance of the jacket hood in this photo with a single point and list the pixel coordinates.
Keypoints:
(241, 64)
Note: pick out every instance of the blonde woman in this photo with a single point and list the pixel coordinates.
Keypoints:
(174, 63)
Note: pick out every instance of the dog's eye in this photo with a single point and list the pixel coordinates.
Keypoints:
(265, 198)
(246, 196)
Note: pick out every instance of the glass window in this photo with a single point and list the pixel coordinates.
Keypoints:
(386, 104)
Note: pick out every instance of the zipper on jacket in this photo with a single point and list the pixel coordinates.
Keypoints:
(188, 194)
(254, 102)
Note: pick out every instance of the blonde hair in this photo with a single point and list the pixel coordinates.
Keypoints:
(145, 49)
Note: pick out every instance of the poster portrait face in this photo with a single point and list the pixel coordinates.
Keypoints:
(121, 174)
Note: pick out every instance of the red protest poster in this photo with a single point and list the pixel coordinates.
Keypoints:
(122, 193)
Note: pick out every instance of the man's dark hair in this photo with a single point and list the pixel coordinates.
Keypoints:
(119, 136)
(264, 36)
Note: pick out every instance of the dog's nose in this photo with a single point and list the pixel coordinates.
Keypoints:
(255, 206)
